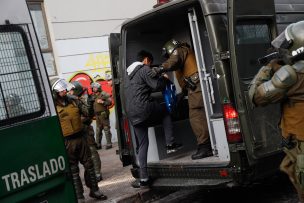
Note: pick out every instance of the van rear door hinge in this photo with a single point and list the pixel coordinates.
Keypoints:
(222, 56)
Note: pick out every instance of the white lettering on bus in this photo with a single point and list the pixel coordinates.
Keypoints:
(61, 163)
(24, 177)
(5, 178)
(46, 169)
(15, 181)
(33, 173)
(54, 165)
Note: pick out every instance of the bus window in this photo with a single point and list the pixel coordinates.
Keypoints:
(19, 96)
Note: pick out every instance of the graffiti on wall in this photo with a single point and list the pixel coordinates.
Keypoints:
(97, 70)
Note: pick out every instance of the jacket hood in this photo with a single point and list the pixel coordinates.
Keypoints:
(131, 67)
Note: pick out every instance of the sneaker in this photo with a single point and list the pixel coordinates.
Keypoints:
(173, 147)
(141, 184)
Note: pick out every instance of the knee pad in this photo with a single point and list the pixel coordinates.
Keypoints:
(300, 169)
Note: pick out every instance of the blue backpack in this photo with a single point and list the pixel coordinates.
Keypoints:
(169, 94)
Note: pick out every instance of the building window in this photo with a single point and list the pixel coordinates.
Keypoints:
(36, 8)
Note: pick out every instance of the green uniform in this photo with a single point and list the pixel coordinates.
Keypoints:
(69, 113)
(89, 131)
(102, 114)
(292, 120)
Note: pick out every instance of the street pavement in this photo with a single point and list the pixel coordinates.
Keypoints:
(116, 180)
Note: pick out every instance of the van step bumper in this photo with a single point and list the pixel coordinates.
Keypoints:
(180, 182)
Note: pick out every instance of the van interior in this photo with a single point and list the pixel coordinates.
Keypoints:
(150, 33)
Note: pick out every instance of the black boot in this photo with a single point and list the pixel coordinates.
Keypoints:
(203, 150)
(94, 189)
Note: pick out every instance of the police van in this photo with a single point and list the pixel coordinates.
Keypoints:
(227, 37)
(33, 161)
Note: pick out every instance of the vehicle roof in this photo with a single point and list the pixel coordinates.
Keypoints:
(218, 7)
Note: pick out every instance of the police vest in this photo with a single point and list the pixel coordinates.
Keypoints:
(190, 67)
(98, 107)
(70, 120)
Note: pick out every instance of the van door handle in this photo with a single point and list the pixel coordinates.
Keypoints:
(213, 72)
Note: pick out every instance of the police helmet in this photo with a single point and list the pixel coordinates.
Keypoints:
(292, 38)
(169, 47)
(58, 85)
(96, 85)
(77, 88)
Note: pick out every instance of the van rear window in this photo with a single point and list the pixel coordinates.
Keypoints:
(252, 34)
(253, 39)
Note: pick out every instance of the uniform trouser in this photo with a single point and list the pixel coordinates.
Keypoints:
(291, 166)
(103, 123)
(92, 145)
(141, 132)
(197, 115)
(78, 151)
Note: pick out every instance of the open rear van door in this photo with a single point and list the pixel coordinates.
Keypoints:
(122, 125)
(252, 27)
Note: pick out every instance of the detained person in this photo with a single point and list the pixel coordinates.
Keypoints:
(143, 111)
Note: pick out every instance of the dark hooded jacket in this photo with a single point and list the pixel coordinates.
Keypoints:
(138, 88)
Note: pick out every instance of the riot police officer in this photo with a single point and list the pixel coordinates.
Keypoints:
(181, 59)
(69, 112)
(285, 83)
(102, 113)
(78, 91)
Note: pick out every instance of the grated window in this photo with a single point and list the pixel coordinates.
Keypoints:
(21, 95)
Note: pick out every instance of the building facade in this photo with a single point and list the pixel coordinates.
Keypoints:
(73, 36)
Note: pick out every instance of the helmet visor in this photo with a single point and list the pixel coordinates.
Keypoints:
(60, 85)
(280, 42)
(70, 86)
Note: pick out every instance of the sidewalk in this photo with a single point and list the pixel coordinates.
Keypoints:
(116, 180)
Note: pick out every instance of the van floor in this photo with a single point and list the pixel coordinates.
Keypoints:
(185, 159)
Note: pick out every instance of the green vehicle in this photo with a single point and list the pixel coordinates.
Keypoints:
(227, 37)
(33, 161)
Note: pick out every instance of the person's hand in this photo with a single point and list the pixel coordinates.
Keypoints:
(165, 75)
(275, 64)
(155, 71)
(100, 101)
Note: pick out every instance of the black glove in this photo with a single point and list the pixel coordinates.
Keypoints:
(156, 71)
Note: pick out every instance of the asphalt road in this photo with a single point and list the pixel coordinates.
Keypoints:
(274, 190)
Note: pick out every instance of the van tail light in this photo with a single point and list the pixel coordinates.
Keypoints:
(127, 131)
(161, 2)
(232, 124)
